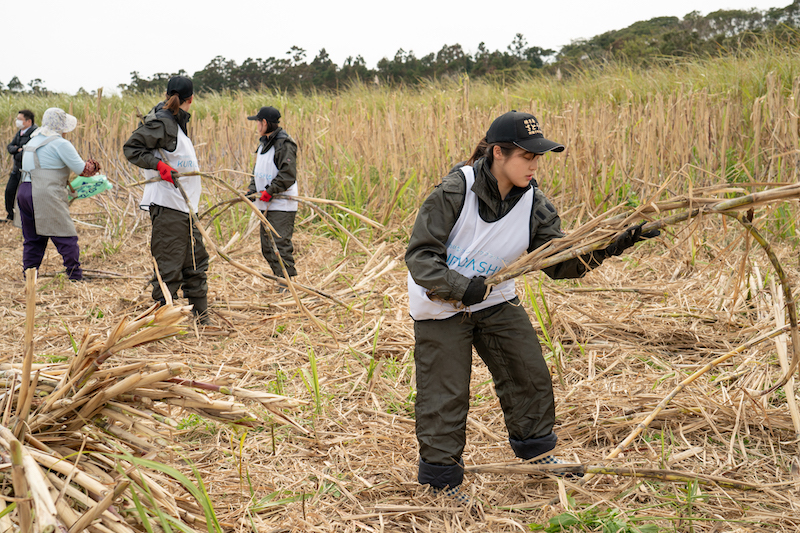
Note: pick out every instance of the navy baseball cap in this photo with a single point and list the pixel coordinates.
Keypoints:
(523, 130)
(268, 113)
(182, 86)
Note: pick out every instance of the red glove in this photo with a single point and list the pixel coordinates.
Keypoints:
(166, 172)
(265, 196)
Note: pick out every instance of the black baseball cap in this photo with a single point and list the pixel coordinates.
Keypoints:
(268, 113)
(523, 130)
(182, 86)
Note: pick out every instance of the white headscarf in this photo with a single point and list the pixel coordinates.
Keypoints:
(56, 121)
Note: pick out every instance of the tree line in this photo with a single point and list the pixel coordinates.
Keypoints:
(656, 40)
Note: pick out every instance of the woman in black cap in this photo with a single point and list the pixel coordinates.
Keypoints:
(483, 216)
(275, 172)
(160, 145)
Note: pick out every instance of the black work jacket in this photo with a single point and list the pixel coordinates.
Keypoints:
(19, 141)
(159, 129)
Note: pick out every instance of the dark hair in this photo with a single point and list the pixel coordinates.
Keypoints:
(173, 103)
(271, 126)
(484, 149)
(27, 113)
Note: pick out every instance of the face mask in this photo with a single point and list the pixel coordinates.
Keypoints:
(19, 124)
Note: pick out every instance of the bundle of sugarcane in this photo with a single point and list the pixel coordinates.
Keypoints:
(77, 436)
(601, 230)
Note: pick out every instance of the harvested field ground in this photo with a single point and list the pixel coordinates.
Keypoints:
(617, 342)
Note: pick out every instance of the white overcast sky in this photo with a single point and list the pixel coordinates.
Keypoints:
(97, 43)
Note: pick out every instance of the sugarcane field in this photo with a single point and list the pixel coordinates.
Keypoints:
(293, 409)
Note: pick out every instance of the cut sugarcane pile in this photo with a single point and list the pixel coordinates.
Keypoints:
(85, 442)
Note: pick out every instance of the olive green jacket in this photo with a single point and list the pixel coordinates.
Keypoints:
(285, 160)
(159, 129)
(426, 256)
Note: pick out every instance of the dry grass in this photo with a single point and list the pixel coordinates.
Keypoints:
(617, 342)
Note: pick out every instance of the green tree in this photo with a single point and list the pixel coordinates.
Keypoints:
(323, 71)
(15, 86)
(216, 76)
(37, 86)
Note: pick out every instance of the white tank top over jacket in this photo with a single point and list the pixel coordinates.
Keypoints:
(265, 171)
(478, 248)
(165, 194)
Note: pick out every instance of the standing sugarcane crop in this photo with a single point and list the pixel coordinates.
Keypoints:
(160, 145)
(275, 172)
(483, 216)
(42, 204)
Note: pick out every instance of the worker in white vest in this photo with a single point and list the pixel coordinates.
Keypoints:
(275, 172)
(484, 215)
(161, 145)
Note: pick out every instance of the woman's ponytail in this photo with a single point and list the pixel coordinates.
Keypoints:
(173, 103)
(484, 149)
(479, 152)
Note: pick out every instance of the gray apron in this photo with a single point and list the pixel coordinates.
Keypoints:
(50, 200)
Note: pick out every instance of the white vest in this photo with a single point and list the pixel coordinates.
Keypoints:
(478, 248)
(165, 194)
(265, 172)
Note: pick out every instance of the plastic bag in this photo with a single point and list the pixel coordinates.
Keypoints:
(87, 186)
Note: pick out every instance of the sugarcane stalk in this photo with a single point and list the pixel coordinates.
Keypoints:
(302, 199)
(263, 397)
(227, 258)
(5, 521)
(641, 426)
(121, 387)
(93, 513)
(21, 488)
(242, 198)
(62, 467)
(26, 407)
(791, 306)
(750, 200)
(126, 409)
(162, 318)
(332, 220)
(270, 231)
(134, 441)
(34, 483)
(27, 352)
(115, 416)
(649, 473)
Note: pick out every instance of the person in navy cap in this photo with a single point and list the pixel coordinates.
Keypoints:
(275, 172)
(484, 215)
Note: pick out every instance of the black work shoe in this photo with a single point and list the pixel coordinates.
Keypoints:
(456, 494)
(200, 310)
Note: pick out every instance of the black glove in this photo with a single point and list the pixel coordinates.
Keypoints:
(628, 238)
(476, 290)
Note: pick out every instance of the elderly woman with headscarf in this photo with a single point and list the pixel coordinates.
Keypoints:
(42, 200)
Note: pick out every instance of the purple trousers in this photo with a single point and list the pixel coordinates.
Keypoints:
(34, 245)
